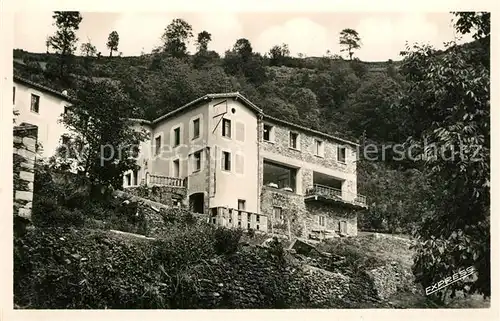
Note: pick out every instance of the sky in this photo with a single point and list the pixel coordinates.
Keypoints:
(383, 34)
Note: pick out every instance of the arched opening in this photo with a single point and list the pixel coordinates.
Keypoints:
(197, 202)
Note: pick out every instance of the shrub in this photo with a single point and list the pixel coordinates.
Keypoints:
(178, 215)
(251, 233)
(226, 240)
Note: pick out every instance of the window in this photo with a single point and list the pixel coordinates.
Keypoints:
(196, 128)
(257, 219)
(278, 213)
(196, 162)
(240, 162)
(136, 177)
(177, 203)
(341, 154)
(35, 103)
(226, 128)
(239, 224)
(257, 227)
(14, 95)
(157, 145)
(176, 168)
(318, 148)
(294, 140)
(248, 226)
(241, 205)
(177, 136)
(226, 161)
(268, 131)
(321, 220)
(66, 109)
(128, 177)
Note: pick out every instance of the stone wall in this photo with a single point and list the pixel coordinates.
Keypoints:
(280, 145)
(154, 213)
(301, 218)
(24, 154)
(390, 279)
(334, 215)
(166, 195)
(292, 209)
(252, 278)
(305, 159)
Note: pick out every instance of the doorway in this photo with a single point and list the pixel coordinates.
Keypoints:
(197, 202)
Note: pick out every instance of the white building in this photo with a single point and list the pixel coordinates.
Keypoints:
(41, 106)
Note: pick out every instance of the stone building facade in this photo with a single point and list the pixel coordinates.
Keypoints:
(24, 154)
(235, 161)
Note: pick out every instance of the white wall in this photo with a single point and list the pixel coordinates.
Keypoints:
(231, 186)
(50, 110)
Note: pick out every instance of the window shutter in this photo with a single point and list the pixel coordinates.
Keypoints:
(240, 131)
(240, 163)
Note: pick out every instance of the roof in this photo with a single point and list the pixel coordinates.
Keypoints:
(140, 121)
(248, 103)
(42, 88)
(309, 130)
(235, 95)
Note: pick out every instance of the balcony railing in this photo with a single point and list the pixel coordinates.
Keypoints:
(336, 194)
(165, 181)
(234, 218)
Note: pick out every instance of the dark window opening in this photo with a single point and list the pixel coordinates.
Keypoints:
(136, 177)
(226, 161)
(279, 176)
(267, 132)
(177, 136)
(35, 103)
(157, 145)
(196, 161)
(196, 128)
(293, 140)
(341, 152)
(226, 128)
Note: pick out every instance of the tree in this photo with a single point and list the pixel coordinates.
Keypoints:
(374, 108)
(278, 55)
(112, 44)
(176, 37)
(202, 42)
(204, 58)
(307, 105)
(349, 38)
(101, 130)
(64, 41)
(47, 44)
(449, 99)
(88, 50)
(243, 48)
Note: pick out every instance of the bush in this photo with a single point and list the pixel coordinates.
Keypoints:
(226, 240)
(47, 213)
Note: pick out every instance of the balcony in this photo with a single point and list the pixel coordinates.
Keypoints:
(165, 181)
(234, 218)
(328, 193)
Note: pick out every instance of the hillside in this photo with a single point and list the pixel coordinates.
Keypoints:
(322, 88)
